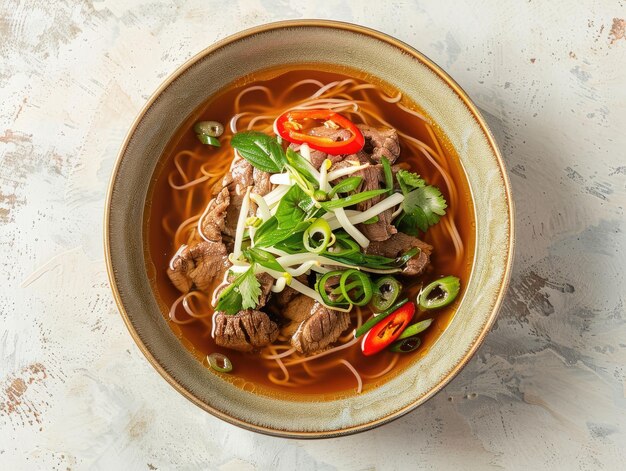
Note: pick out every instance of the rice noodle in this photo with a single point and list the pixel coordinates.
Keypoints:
(357, 235)
(172, 312)
(243, 215)
(355, 373)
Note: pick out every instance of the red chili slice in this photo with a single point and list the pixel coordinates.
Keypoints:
(288, 126)
(388, 330)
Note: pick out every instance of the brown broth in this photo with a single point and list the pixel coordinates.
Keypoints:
(250, 372)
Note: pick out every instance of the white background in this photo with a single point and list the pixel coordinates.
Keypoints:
(547, 390)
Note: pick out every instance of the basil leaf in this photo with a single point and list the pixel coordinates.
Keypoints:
(295, 207)
(263, 258)
(268, 235)
(351, 200)
(262, 151)
(302, 166)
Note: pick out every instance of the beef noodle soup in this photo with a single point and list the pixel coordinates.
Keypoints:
(309, 233)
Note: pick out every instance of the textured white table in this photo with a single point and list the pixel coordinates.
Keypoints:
(546, 391)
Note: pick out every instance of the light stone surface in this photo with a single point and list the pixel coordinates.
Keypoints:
(547, 390)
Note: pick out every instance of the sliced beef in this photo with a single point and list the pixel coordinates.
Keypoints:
(266, 282)
(214, 220)
(381, 230)
(380, 143)
(313, 327)
(241, 176)
(400, 243)
(196, 265)
(245, 331)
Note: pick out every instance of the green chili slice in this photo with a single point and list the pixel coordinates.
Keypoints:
(220, 362)
(439, 293)
(362, 281)
(372, 321)
(318, 236)
(386, 291)
(209, 128)
(415, 329)
(405, 345)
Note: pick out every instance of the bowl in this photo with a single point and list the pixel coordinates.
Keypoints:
(296, 42)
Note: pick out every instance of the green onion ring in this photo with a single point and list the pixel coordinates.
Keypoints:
(319, 226)
(365, 284)
(321, 289)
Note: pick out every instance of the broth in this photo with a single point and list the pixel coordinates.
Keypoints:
(167, 208)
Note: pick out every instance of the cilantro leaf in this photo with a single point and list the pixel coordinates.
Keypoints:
(242, 293)
(262, 151)
(423, 207)
(409, 181)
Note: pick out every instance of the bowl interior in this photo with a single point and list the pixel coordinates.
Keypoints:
(295, 43)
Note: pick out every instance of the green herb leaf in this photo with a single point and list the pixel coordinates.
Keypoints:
(263, 258)
(409, 181)
(262, 151)
(388, 175)
(242, 293)
(423, 207)
(268, 235)
(295, 207)
(346, 186)
(300, 165)
(351, 200)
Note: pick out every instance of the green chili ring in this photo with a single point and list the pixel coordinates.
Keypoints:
(445, 291)
(384, 299)
(405, 345)
(214, 360)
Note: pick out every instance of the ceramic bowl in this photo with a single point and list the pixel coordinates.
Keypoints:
(408, 71)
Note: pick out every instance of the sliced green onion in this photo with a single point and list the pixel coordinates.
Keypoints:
(408, 255)
(439, 293)
(346, 185)
(372, 220)
(210, 140)
(253, 221)
(362, 281)
(415, 329)
(209, 128)
(388, 174)
(344, 247)
(310, 237)
(220, 362)
(352, 199)
(372, 321)
(386, 291)
(405, 345)
(320, 195)
(321, 288)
